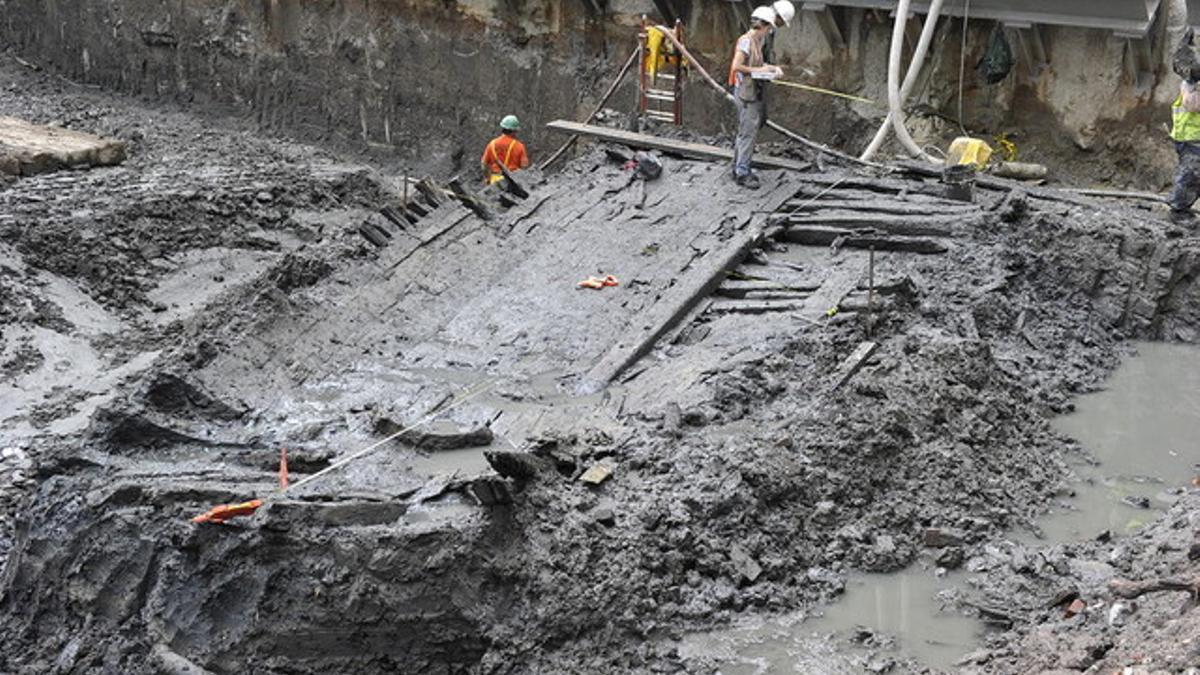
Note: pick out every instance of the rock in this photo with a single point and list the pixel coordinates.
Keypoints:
(604, 515)
(1136, 501)
(1119, 612)
(1020, 561)
(672, 419)
(885, 545)
(746, 566)
(941, 537)
(881, 665)
(825, 512)
(1077, 606)
(597, 474)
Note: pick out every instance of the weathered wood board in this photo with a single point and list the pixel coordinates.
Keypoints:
(683, 148)
(27, 149)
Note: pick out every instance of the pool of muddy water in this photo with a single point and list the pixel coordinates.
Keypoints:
(1142, 432)
(904, 605)
(1143, 429)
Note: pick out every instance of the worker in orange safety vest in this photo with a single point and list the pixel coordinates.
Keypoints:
(504, 148)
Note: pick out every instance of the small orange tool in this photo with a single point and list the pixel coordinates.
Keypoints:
(597, 284)
(224, 512)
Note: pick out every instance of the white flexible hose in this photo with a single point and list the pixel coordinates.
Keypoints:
(898, 94)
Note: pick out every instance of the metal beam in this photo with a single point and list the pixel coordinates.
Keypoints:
(829, 27)
(1125, 18)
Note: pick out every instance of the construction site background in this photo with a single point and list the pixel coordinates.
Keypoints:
(418, 83)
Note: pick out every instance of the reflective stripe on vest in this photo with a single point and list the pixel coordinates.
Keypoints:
(507, 154)
(1186, 127)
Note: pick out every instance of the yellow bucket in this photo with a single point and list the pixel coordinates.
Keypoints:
(967, 150)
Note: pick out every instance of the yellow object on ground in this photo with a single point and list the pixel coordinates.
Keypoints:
(1006, 148)
(967, 150)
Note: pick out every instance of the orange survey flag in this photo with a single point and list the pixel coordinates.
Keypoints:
(224, 512)
(283, 470)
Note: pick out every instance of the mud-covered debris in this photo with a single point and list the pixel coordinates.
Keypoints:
(1136, 501)
(941, 537)
(491, 491)
(519, 466)
(437, 435)
(950, 557)
(168, 392)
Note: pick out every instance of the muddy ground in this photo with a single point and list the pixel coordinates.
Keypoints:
(742, 480)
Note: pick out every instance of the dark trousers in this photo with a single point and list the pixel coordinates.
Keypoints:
(1187, 177)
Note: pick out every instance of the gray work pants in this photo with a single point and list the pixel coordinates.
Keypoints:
(749, 120)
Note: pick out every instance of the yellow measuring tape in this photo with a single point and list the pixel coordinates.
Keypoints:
(827, 92)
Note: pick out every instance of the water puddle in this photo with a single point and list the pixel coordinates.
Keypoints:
(1142, 428)
(904, 605)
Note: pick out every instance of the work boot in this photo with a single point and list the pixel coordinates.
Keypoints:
(1182, 216)
(749, 181)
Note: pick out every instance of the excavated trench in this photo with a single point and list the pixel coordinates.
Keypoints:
(171, 324)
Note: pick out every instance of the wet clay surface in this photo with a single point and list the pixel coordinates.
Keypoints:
(743, 480)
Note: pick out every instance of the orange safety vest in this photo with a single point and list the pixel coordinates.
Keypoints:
(492, 157)
(755, 59)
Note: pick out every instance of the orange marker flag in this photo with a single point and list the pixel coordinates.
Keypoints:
(225, 512)
(283, 470)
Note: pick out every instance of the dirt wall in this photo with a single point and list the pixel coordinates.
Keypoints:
(422, 83)
(410, 80)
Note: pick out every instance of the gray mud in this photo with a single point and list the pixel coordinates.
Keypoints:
(225, 273)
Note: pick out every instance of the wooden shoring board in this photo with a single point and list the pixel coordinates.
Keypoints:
(853, 363)
(905, 225)
(890, 206)
(825, 236)
(844, 280)
(27, 149)
(684, 148)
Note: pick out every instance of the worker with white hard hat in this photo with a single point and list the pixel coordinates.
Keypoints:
(747, 75)
(785, 11)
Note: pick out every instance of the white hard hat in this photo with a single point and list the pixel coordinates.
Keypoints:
(785, 10)
(763, 13)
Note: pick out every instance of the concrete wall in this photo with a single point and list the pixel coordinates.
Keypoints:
(416, 80)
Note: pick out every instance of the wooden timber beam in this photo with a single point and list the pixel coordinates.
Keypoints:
(682, 148)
